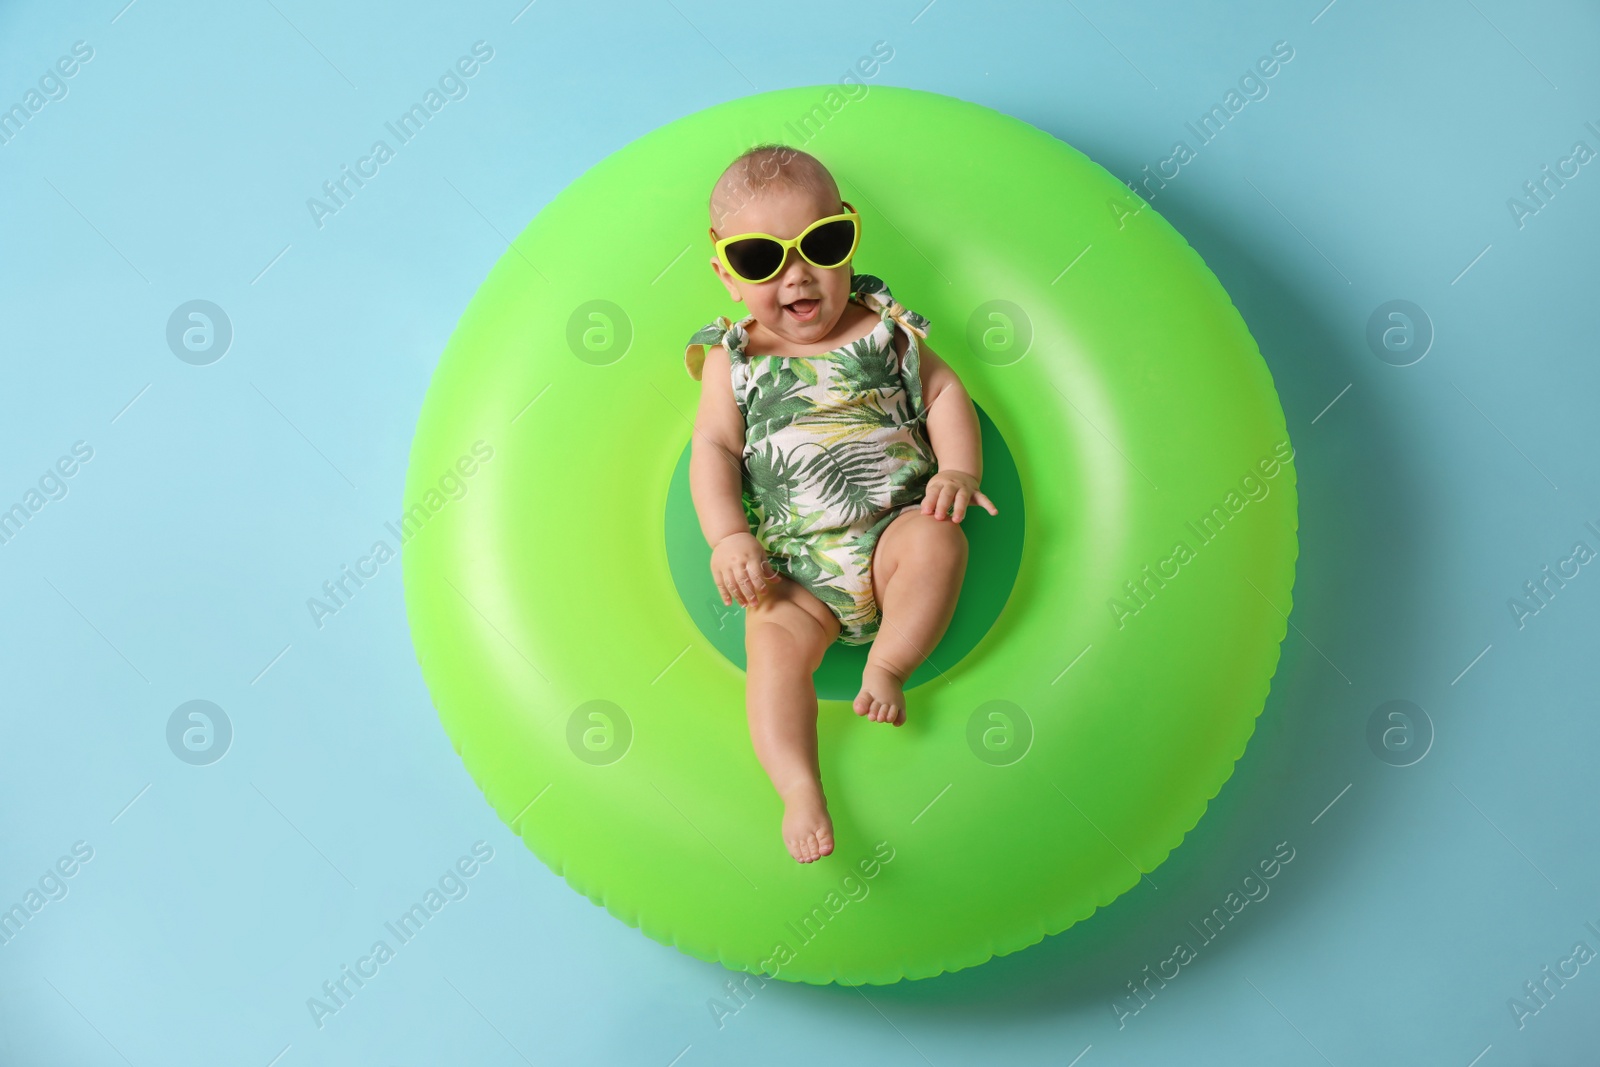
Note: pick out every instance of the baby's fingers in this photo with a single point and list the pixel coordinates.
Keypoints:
(728, 587)
(986, 503)
(740, 579)
(758, 579)
(959, 509)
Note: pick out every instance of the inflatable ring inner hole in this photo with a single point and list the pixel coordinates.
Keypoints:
(994, 557)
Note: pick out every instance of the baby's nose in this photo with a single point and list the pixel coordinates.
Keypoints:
(793, 263)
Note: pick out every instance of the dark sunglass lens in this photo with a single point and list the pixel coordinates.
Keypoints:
(754, 257)
(828, 245)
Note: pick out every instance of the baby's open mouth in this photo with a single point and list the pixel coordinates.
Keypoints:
(802, 310)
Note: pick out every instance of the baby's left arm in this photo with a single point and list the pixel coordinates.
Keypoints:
(953, 433)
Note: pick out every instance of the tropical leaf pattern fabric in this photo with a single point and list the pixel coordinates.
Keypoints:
(835, 449)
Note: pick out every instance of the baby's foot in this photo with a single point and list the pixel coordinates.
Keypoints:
(882, 697)
(807, 830)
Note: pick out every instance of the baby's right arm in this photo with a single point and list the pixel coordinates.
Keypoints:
(716, 472)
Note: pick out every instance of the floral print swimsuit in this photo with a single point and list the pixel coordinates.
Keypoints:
(835, 449)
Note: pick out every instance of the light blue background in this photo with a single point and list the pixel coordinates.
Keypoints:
(219, 498)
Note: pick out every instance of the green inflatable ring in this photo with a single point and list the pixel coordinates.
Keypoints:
(1063, 754)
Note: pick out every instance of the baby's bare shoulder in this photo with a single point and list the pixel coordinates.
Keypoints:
(716, 367)
(719, 417)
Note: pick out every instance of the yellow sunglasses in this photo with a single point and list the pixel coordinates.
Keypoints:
(757, 257)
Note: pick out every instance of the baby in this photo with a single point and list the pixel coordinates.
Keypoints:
(834, 456)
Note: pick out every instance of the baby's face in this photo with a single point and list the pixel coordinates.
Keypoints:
(801, 303)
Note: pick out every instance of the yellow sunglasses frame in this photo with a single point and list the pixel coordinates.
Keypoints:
(720, 245)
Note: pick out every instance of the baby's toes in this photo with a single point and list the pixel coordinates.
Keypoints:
(824, 838)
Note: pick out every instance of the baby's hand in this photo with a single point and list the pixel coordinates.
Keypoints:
(949, 491)
(739, 565)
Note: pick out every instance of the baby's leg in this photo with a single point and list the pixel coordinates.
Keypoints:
(917, 568)
(786, 634)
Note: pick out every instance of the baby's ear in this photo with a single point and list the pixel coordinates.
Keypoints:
(727, 282)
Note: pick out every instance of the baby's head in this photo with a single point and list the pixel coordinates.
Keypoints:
(779, 191)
